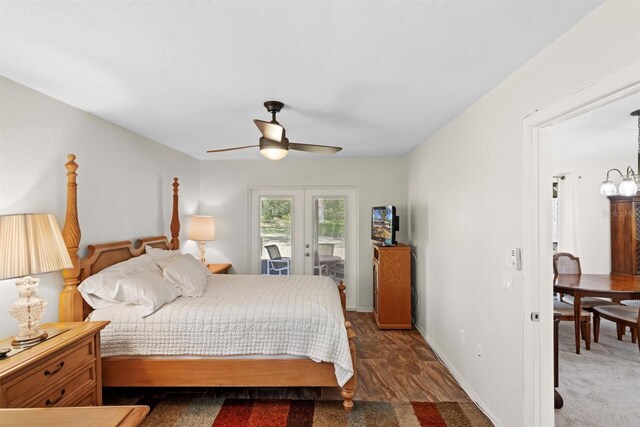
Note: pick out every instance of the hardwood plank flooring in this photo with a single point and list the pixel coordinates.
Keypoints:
(393, 366)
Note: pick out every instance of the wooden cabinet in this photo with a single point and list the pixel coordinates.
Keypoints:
(625, 235)
(219, 268)
(61, 371)
(392, 286)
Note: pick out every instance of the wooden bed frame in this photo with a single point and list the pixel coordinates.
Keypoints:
(177, 371)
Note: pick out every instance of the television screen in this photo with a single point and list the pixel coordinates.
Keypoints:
(384, 224)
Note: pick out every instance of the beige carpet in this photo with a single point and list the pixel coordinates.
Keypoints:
(600, 387)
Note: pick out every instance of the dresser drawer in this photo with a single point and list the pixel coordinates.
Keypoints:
(46, 374)
(68, 391)
(86, 398)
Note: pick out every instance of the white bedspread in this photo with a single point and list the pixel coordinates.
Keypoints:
(238, 315)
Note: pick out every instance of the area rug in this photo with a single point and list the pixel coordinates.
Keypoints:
(182, 410)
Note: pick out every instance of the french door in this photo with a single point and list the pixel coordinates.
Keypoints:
(310, 231)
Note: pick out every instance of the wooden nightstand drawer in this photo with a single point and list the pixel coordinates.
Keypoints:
(48, 373)
(63, 370)
(87, 398)
(69, 390)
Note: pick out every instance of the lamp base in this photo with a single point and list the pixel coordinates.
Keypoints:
(27, 310)
(202, 250)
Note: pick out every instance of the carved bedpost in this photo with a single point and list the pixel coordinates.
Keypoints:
(343, 297)
(70, 298)
(175, 217)
(349, 389)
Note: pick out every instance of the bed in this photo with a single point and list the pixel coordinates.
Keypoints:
(129, 368)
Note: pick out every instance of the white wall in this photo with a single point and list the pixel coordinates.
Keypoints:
(124, 179)
(224, 190)
(465, 202)
(594, 225)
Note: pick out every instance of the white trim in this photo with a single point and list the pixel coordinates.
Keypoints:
(350, 194)
(458, 377)
(537, 137)
(297, 233)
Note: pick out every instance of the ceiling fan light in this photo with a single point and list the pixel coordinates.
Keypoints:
(274, 153)
(628, 186)
(608, 188)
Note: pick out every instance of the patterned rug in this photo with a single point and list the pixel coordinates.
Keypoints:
(184, 410)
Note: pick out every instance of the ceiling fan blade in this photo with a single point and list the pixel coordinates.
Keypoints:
(231, 149)
(269, 130)
(312, 148)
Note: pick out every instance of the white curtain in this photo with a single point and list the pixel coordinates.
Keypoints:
(568, 236)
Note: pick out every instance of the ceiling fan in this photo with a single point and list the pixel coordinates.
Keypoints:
(274, 144)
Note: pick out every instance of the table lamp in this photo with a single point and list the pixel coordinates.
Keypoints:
(202, 229)
(30, 244)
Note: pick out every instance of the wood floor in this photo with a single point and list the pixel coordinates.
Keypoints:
(399, 366)
(393, 366)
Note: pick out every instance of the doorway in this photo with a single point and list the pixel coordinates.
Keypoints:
(305, 231)
(538, 136)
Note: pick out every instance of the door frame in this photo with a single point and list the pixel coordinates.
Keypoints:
(298, 234)
(537, 136)
(350, 231)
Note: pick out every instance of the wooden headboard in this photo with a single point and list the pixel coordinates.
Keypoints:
(73, 308)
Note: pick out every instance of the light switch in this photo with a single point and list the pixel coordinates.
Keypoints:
(514, 258)
(507, 281)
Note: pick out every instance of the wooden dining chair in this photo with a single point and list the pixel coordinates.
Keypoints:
(564, 312)
(623, 316)
(566, 263)
(631, 302)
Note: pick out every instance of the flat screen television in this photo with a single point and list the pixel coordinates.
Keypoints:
(384, 224)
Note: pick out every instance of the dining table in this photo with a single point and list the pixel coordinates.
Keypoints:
(614, 286)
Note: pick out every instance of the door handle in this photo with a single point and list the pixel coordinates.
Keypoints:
(307, 254)
(306, 246)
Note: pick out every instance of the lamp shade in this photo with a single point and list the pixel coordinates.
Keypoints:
(628, 186)
(608, 188)
(202, 228)
(31, 244)
(274, 153)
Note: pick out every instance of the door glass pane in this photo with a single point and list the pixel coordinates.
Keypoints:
(276, 224)
(329, 237)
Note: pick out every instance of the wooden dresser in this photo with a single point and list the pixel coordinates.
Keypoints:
(625, 235)
(392, 286)
(61, 371)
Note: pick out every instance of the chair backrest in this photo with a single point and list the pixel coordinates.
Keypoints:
(273, 251)
(326, 249)
(566, 263)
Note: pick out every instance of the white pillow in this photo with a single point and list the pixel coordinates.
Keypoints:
(147, 291)
(195, 261)
(98, 290)
(158, 254)
(185, 275)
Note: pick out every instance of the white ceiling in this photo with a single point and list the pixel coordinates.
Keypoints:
(377, 78)
(608, 131)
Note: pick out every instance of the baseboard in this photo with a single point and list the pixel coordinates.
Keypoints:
(465, 386)
(363, 309)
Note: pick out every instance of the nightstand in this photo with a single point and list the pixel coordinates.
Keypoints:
(99, 416)
(64, 370)
(219, 268)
